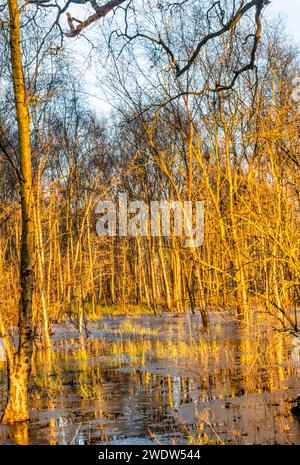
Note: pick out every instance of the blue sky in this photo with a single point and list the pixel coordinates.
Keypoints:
(290, 11)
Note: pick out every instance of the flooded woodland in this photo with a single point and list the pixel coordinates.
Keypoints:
(144, 380)
(149, 223)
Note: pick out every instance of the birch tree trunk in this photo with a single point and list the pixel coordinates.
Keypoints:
(19, 365)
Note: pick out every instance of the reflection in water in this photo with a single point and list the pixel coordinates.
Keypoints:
(18, 433)
(142, 380)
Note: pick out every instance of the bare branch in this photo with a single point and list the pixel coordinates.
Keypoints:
(101, 12)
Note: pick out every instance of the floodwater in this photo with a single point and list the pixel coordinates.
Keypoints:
(146, 380)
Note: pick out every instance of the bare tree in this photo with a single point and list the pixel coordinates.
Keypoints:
(219, 19)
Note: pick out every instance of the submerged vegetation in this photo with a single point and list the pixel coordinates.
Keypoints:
(164, 381)
(139, 335)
